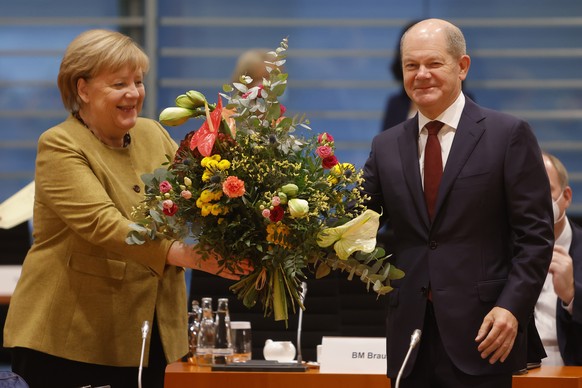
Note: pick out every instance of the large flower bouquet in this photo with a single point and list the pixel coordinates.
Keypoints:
(245, 186)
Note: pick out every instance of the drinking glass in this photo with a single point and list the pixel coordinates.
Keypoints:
(241, 340)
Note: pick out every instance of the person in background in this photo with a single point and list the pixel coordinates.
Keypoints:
(252, 64)
(399, 107)
(467, 196)
(76, 315)
(558, 312)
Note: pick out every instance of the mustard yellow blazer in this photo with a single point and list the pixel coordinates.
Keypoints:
(84, 293)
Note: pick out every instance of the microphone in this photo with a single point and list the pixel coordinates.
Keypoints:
(145, 328)
(414, 340)
(299, 324)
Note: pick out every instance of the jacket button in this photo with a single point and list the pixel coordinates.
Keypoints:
(433, 244)
(136, 188)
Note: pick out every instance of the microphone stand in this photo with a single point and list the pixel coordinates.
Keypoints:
(300, 323)
(145, 328)
(414, 340)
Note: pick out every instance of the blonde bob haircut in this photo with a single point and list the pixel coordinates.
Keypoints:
(92, 53)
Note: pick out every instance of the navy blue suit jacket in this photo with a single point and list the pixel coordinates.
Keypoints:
(490, 243)
(570, 326)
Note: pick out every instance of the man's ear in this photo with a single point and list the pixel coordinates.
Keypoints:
(464, 64)
(568, 196)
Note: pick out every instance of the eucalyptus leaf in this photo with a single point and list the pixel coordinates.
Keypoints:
(376, 267)
(279, 89)
(138, 228)
(147, 179)
(240, 87)
(156, 216)
(395, 273)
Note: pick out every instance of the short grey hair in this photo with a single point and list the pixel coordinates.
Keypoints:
(456, 44)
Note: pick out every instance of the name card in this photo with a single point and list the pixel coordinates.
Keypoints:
(353, 355)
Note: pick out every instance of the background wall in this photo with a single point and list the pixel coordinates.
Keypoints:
(527, 56)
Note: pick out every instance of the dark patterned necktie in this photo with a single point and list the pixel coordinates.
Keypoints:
(433, 166)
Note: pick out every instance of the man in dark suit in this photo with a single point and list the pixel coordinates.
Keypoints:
(475, 243)
(558, 312)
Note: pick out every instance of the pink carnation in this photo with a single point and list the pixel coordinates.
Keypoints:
(266, 213)
(233, 187)
(165, 186)
(186, 194)
(324, 151)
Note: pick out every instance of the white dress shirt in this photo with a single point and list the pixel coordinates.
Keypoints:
(450, 118)
(545, 310)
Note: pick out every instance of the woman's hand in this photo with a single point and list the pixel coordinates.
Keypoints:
(183, 255)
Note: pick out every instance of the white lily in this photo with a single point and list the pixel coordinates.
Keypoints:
(358, 234)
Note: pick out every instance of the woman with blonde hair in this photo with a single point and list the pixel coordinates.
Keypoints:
(76, 315)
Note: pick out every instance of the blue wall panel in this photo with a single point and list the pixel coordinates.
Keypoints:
(526, 60)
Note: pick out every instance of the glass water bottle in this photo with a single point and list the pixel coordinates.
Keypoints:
(206, 334)
(194, 317)
(223, 351)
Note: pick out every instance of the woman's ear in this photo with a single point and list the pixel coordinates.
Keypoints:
(82, 89)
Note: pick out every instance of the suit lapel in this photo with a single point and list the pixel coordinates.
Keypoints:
(408, 145)
(467, 136)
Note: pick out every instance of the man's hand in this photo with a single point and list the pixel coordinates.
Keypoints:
(562, 272)
(497, 335)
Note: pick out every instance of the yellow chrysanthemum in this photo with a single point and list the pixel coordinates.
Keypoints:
(216, 209)
(206, 210)
(204, 161)
(332, 180)
(223, 165)
(206, 196)
(208, 160)
(216, 195)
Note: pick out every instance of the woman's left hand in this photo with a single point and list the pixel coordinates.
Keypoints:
(183, 255)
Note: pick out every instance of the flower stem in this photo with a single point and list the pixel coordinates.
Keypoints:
(279, 297)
